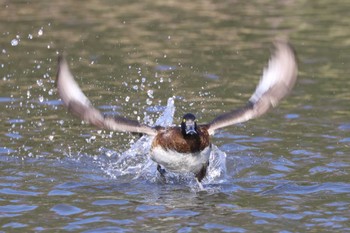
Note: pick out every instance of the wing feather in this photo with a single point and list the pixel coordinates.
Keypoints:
(79, 105)
(276, 82)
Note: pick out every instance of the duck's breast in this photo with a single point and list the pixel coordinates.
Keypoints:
(180, 162)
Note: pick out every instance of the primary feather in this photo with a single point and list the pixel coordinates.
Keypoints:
(77, 103)
(276, 82)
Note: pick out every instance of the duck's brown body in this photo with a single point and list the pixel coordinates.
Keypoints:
(172, 138)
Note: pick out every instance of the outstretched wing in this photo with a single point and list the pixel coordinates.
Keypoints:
(277, 81)
(78, 104)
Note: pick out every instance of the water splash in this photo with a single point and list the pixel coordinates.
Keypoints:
(135, 162)
(167, 116)
(14, 42)
(217, 166)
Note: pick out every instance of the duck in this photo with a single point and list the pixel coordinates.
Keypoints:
(186, 148)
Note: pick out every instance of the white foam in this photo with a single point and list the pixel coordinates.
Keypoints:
(167, 117)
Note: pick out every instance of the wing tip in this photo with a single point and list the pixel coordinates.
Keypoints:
(278, 80)
(61, 61)
(281, 71)
(289, 53)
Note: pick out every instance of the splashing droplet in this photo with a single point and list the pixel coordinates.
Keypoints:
(150, 94)
(39, 82)
(14, 42)
(40, 32)
(91, 139)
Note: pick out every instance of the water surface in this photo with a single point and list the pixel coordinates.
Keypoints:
(285, 172)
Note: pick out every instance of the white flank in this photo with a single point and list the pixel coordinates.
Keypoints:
(179, 162)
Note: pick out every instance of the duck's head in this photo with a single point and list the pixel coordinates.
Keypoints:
(189, 125)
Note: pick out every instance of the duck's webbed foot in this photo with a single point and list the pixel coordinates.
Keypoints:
(161, 170)
(202, 173)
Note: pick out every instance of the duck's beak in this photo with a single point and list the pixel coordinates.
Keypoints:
(190, 127)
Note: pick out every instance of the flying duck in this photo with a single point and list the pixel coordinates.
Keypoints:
(186, 148)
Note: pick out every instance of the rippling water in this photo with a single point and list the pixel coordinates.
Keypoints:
(285, 172)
